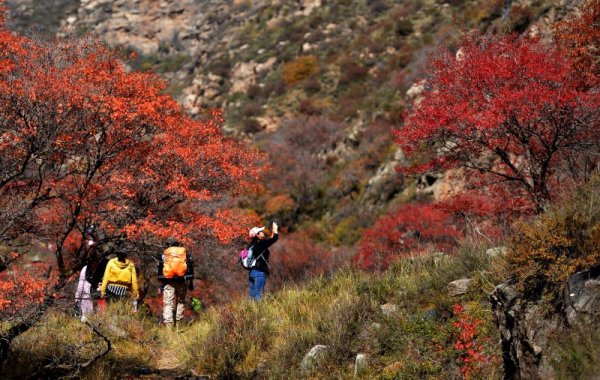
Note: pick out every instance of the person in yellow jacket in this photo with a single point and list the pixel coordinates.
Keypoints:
(120, 279)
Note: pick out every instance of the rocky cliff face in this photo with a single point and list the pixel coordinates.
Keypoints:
(526, 327)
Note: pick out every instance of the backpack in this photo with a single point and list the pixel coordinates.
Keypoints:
(247, 258)
(95, 272)
(174, 262)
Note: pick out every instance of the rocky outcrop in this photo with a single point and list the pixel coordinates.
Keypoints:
(525, 326)
(312, 359)
(459, 287)
(386, 182)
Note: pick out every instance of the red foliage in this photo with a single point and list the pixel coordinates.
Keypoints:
(21, 288)
(410, 228)
(508, 108)
(581, 36)
(297, 257)
(86, 142)
(471, 347)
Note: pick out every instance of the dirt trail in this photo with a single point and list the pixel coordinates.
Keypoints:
(167, 361)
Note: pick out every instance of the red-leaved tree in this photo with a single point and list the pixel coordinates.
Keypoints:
(93, 150)
(408, 229)
(580, 35)
(510, 111)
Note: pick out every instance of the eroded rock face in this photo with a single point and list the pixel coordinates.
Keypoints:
(525, 326)
(386, 182)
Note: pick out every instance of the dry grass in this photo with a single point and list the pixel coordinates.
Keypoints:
(268, 339)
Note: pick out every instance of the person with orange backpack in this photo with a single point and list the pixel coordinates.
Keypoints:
(176, 274)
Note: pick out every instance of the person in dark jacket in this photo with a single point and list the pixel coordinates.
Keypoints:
(260, 248)
(175, 280)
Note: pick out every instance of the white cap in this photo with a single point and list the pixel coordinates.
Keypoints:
(255, 230)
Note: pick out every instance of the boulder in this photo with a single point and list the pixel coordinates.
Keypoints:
(313, 358)
(360, 365)
(242, 76)
(415, 92)
(459, 287)
(265, 67)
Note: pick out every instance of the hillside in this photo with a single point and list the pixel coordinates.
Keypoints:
(429, 316)
(433, 166)
(326, 80)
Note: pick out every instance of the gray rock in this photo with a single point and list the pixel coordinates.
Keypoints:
(459, 287)
(389, 309)
(360, 365)
(385, 183)
(313, 358)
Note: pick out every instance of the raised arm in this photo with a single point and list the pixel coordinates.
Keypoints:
(274, 236)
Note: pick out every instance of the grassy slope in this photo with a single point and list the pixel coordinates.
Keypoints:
(269, 339)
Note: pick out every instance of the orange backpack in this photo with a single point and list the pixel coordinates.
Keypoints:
(174, 262)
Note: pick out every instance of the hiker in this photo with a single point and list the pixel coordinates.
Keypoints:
(94, 275)
(83, 297)
(260, 248)
(85, 285)
(176, 274)
(120, 279)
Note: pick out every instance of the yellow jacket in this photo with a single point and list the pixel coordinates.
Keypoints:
(120, 273)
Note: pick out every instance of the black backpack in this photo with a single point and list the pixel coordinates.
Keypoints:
(95, 272)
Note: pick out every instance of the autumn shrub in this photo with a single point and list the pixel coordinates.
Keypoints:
(60, 345)
(475, 353)
(274, 86)
(484, 11)
(579, 33)
(254, 91)
(251, 125)
(352, 71)
(559, 243)
(308, 107)
(297, 147)
(297, 257)
(378, 6)
(301, 68)
(21, 288)
(311, 86)
(408, 228)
